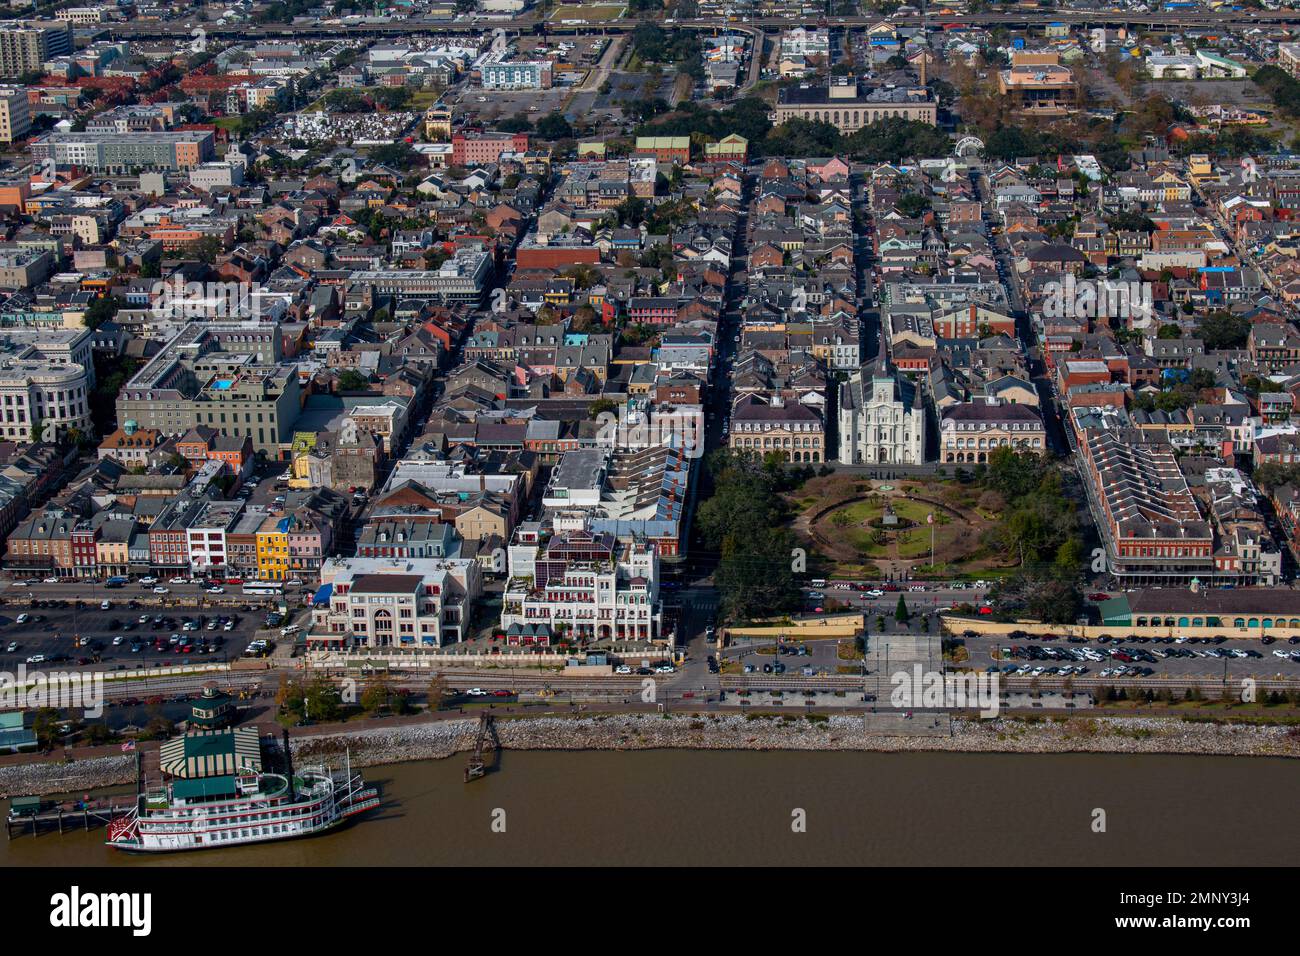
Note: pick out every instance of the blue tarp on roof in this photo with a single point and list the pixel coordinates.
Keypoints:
(323, 594)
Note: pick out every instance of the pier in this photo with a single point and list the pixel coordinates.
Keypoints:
(485, 743)
(31, 815)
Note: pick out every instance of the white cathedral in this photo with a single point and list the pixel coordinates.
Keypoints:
(881, 417)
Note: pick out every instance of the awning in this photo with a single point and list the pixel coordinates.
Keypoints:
(212, 753)
(205, 787)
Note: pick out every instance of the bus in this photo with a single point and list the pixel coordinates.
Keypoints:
(264, 588)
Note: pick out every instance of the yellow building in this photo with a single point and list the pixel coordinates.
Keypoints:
(437, 123)
(273, 549)
(1200, 168)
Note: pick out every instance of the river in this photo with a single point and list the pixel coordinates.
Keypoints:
(737, 807)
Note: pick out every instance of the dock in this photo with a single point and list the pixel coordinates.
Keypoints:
(31, 816)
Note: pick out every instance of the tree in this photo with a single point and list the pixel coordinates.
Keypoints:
(1223, 330)
(519, 123)
(207, 249)
(398, 155)
(289, 696)
(600, 407)
(97, 734)
(901, 613)
(45, 727)
(554, 126)
(743, 521)
(376, 696)
(321, 700)
(913, 205)
(350, 380)
(436, 691)
(101, 310)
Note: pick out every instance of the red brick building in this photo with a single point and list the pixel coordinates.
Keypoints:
(485, 147)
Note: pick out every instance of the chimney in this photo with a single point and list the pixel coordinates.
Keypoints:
(924, 57)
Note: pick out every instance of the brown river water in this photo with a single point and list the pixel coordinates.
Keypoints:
(667, 807)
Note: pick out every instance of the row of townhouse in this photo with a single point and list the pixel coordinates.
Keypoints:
(188, 536)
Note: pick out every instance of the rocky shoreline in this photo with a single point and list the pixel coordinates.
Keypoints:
(77, 776)
(435, 740)
(1149, 735)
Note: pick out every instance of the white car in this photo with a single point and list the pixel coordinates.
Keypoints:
(106, 605)
(161, 590)
(476, 692)
(294, 582)
(50, 580)
(179, 581)
(624, 669)
(228, 626)
(1282, 654)
(22, 618)
(283, 477)
(36, 659)
(149, 579)
(117, 641)
(19, 584)
(666, 669)
(1106, 672)
(216, 589)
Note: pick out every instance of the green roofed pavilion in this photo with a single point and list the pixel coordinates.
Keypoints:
(212, 753)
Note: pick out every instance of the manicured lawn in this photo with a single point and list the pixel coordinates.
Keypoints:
(913, 541)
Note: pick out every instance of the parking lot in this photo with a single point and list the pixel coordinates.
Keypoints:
(492, 104)
(1208, 659)
(124, 638)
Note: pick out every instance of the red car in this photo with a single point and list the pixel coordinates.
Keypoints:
(502, 693)
(1098, 597)
(986, 610)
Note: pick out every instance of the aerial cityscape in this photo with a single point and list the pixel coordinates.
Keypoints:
(427, 423)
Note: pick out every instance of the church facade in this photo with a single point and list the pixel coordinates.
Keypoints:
(881, 418)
